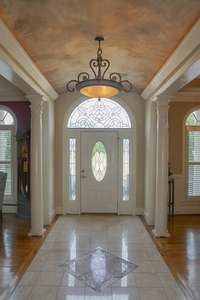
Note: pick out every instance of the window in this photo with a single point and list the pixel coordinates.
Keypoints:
(103, 113)
(126, 174)
(7, 132)
(6, 158)
(193, 154)
(72, 169)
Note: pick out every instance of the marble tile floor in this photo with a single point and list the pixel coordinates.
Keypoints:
(99, 268)
(72, 237)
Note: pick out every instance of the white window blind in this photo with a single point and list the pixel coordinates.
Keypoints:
(193, 159)
(6, 157)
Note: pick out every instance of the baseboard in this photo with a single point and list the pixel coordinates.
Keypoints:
(9, 209)
(140, 211)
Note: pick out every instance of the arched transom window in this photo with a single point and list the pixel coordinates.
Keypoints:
(193, 154)
(6, 118)
(94, 113)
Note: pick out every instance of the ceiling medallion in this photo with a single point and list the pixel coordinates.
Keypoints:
(99, 86)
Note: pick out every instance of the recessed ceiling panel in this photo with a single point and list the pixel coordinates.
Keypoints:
(139, 35)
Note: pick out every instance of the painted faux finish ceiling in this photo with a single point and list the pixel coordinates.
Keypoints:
(139, 34)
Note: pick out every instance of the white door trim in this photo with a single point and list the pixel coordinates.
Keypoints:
(74, 207)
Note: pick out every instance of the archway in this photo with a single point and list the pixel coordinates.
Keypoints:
(99, 156)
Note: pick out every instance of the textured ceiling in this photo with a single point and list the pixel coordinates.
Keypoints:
(140, 34)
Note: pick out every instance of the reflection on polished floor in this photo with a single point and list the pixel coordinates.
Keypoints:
(17, 250)
(73, 236)
(181, 251)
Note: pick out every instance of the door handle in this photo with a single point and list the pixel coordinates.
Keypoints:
(83, 176)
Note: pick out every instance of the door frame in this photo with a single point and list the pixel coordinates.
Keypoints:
(74, 206)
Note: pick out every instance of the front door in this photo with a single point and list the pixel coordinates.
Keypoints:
(99, 163)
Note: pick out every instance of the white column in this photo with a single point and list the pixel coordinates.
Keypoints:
(161, 211)
(37, 220)
(150, 162)
(48, 161)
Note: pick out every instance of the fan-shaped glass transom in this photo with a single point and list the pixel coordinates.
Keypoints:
(104, 113)
(6, 118)
(193, 119)
(99, 161)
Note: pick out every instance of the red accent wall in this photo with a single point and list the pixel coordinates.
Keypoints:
(22, 113)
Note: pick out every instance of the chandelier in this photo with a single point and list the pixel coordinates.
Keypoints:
(99, 86)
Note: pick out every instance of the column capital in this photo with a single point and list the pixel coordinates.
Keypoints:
(36, 103)
(34, 98)
(162, 99)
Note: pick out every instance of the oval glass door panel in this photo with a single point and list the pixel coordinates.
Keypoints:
(99, 161)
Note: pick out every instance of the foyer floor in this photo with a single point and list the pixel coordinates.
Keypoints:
(72, 237)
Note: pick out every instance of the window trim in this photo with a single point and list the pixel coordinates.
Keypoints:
(187, 163)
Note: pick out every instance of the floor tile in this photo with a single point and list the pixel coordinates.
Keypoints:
(49, 278)
(67, 293)
(106, 294)
(21, 293)
(71, 239)
(152, 294)
(29, 278)
(147, 280)
(174, 293)
(129, 293)
(43, 293)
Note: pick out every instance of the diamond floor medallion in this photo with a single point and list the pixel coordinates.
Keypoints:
(99, 268)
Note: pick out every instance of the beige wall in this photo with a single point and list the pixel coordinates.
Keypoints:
(137, 106)
(177, 113)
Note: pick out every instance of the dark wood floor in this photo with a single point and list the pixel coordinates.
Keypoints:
(181, 251)
(16, 251)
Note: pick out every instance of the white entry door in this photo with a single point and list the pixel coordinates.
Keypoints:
(99, 163)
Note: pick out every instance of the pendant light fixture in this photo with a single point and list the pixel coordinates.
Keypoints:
(99, 86)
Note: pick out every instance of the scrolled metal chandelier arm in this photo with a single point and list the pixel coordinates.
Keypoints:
(71, 85)
(126, 86)
(99, 86)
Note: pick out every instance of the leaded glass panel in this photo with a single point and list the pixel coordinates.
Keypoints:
(103, 113)
(126, 171)
(72, 169)
(99, 161)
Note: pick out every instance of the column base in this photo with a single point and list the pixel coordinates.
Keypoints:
(159, 235)
(41, 234)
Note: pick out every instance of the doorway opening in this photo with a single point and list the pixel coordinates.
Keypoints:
(99, 156)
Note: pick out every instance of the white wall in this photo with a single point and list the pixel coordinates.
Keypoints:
(137, 106)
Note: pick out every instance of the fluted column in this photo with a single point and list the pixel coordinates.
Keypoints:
(37, 219)
(161, 209)
(150, 162)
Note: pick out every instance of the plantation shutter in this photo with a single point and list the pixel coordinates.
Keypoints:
(6, 157)
(193, 159)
